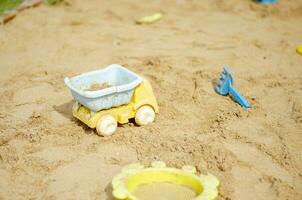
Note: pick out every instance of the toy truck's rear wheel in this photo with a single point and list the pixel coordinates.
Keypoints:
(145, 115)
(106, 125)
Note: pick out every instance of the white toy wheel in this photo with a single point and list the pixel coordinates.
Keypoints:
(145, 115)
(106, 125)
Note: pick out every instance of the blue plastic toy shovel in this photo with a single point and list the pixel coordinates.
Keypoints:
(267, 1)
(225, 86)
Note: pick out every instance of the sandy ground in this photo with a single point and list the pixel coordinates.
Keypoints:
(256, 153)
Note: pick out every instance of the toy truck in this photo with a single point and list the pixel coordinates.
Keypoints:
(119, 96)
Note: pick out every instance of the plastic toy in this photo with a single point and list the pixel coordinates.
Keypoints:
(149, 19)
(127, 96)
(267, 1)
(133, 176)
(299, 50)
(225, 86)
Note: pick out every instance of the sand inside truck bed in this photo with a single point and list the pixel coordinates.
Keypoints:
(256, 154)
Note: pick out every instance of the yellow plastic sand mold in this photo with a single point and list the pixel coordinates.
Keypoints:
(136, 175)
(299, 49)
(149, 19)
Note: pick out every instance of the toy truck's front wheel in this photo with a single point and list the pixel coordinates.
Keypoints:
(145, 115)
(106, 125)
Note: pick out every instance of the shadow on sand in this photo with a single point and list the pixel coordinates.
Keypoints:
(65, 109)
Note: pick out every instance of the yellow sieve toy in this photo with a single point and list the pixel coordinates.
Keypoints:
(132, 182)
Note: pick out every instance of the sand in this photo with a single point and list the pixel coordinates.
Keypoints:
(164, 191)
(97, 86)
(256, 154)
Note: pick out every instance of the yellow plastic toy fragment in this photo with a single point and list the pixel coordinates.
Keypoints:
(149, 19)
(299, 50)
(136, 175)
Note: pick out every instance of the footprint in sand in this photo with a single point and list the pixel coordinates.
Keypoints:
(258, 161)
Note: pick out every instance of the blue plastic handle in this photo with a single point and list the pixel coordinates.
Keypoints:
(237, 97)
